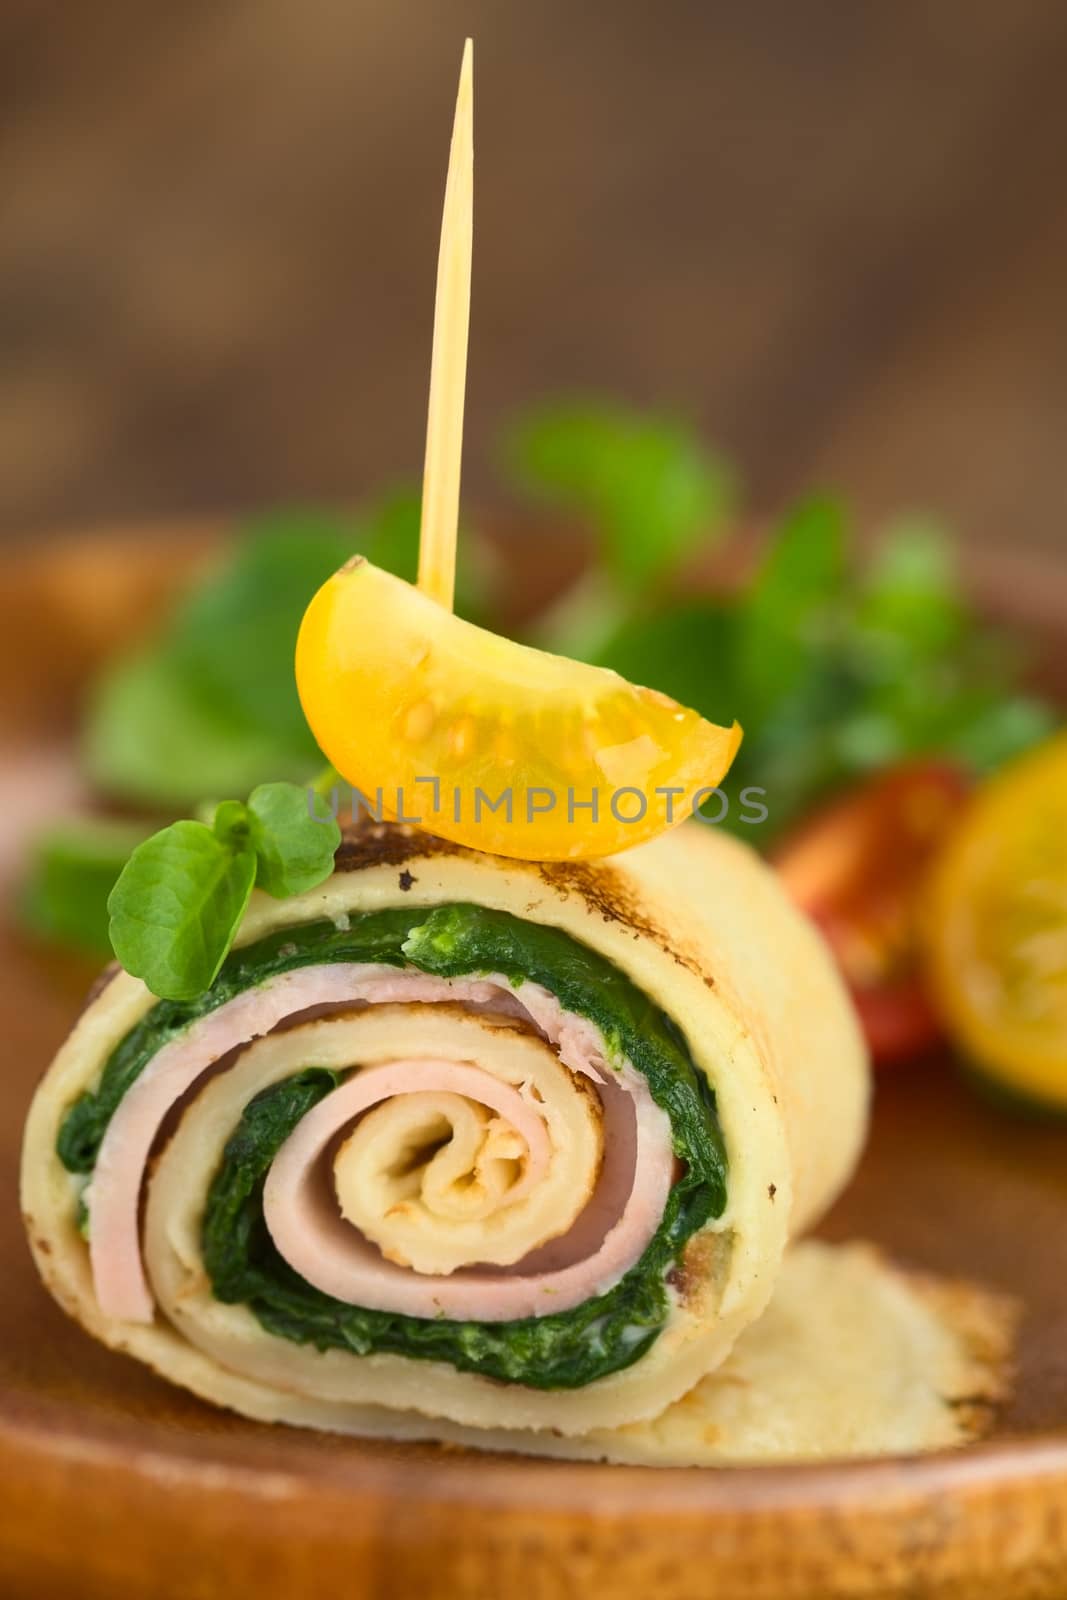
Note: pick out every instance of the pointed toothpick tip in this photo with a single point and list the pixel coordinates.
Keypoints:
(448, 366)
(465, 92)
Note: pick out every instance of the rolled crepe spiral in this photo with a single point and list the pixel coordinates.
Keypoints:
(508, 1145)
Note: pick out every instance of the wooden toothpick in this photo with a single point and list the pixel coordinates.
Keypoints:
(448, 367)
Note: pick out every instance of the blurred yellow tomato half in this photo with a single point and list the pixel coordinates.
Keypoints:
(996, 927)
(487, 742)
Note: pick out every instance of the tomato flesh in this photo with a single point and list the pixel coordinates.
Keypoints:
(995, 928)
(858, 867)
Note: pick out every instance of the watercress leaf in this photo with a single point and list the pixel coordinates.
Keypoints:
(294, 847)
(1005, 727)
(685, 651)
(176, 907)
(155, 738)
(909, 602)
(650, 487)
(789, 616)
(689, 652)
(980, 723)
(72, 870)
(234, 636)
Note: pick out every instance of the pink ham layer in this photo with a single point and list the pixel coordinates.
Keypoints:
(324, 1249)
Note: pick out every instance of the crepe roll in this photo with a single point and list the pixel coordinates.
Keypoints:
(496, 1144)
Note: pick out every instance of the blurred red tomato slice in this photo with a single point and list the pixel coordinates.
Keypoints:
(857, 867)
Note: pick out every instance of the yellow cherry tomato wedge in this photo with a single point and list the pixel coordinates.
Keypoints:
(996, 927)
(487, 742)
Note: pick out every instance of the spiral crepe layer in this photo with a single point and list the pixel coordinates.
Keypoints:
(664, 1004)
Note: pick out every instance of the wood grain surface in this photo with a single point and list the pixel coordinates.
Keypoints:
(835, 233)
(114, 1486)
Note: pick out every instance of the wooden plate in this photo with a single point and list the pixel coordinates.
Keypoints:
(116, 1485)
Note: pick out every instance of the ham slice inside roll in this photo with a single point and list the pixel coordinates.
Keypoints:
(473, 1181)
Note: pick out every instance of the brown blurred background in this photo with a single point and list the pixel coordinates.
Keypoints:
(835, 232)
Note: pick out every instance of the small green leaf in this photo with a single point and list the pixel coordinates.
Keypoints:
(1006, 727)
(177, 906)
(155, 738)
(233, 638)
(294, 849)
(685, 651)
(73, 868)
(788, 615)
(651, 488)
(908, 602)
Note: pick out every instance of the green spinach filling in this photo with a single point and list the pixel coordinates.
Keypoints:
(564, 1350)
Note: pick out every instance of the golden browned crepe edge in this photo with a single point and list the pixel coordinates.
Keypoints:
(985, 1323)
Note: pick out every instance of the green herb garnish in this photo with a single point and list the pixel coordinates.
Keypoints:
(649, 487)
(73, 869)
(179, 900)
(645, 487)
